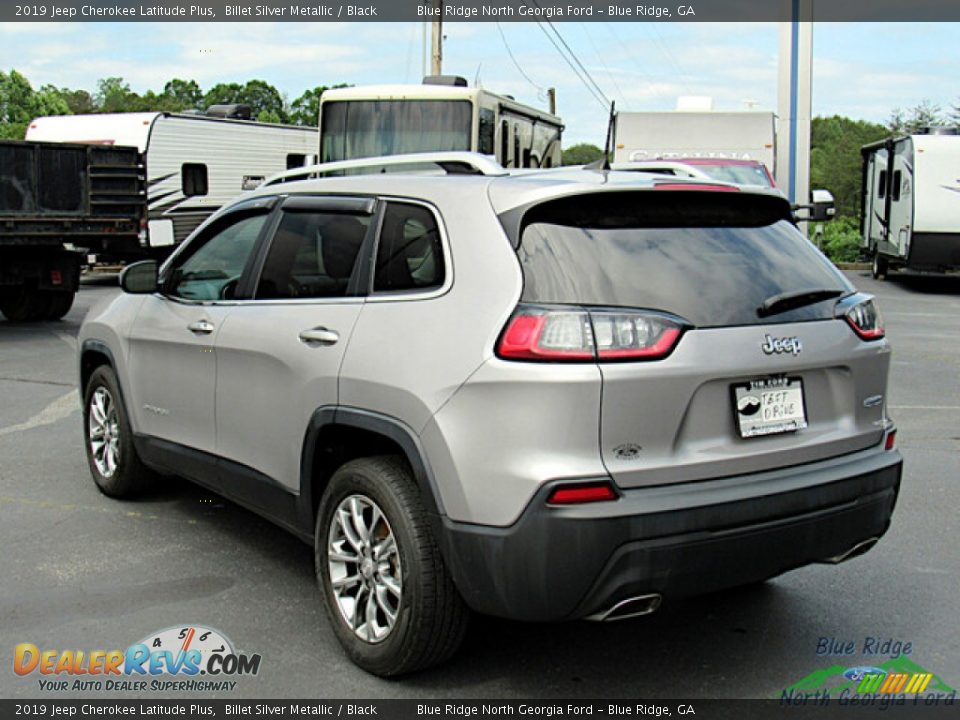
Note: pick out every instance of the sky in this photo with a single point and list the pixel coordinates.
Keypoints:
(861, 70)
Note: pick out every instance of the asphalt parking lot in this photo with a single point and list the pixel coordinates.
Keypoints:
(78, 570)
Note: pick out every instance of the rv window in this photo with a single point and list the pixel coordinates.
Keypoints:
(488, 122)
(882, 191)
(516, 145)
(409, 254)
(193, 179)
(296, 160)
(504, 140)
(312, 255)
(895, 186)
(526, 158)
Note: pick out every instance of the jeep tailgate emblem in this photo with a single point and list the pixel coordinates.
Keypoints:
(774, 345)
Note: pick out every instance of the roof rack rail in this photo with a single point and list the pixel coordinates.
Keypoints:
(453, 163)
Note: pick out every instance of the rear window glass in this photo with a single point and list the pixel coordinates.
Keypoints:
(710, 275)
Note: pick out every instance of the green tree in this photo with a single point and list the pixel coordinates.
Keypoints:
(80, 102)
(20, 103)
(835, 161)
(926, 114)
(581, 154)
(259, 95)
(305, 110)
(114, 95)
(183, 94)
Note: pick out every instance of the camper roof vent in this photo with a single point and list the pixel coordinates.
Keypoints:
(448, 80)
(235, 111)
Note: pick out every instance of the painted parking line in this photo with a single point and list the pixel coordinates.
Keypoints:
(60, 409)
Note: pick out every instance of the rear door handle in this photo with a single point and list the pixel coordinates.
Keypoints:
(201, 327)
(319, 336)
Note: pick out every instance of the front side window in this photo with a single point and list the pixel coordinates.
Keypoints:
(213, 270)
(312, 255)
(487, 128)
(409, 253)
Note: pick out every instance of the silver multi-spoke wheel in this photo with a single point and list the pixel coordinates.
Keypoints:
(104, 432)
(364, 565)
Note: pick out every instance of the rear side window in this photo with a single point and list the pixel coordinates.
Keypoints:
(312, 255)
(704, 267)
(409, 253)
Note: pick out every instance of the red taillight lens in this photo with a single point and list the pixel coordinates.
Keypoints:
(580, 494)
(866, 321)
(574, 334)
(891, 440)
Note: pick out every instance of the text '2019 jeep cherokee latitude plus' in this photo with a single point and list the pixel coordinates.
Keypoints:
(543, 396)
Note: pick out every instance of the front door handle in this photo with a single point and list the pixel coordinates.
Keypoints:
(319, 336)
(201, 327)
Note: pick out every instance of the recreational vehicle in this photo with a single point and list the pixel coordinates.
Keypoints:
(708, 139)
(194, 163)
(443, 114)
(910, 202)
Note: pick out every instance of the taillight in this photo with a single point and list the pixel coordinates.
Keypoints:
(576, 334)
(580, 494)
(865, 319)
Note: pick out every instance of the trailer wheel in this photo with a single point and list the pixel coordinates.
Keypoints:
(60, 304)
(26, 305)
(879, 268)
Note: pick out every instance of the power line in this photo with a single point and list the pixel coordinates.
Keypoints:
(599, 98)
(605, 66)
(503, 37)
(580, 64)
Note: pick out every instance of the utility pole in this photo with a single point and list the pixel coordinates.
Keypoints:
(552, 99)
(793, 133)
(436, 54)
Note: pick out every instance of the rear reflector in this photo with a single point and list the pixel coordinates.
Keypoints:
(891, 440)
(56, 277)
(580, 494)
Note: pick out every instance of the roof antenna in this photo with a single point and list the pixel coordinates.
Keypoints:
(604, 162)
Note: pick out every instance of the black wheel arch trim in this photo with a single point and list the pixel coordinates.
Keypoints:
(391, 428)
(98, 346)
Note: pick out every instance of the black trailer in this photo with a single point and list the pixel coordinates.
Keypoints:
(59, 202)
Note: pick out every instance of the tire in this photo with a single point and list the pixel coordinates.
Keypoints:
(430, 616)
(119, 474)
(60, 304)
(26, 305)
(879, 268)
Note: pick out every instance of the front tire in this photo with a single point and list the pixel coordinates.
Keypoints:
(389, 597)
(114, 464)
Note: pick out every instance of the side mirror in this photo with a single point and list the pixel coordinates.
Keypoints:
(822, 206)
(140, 278)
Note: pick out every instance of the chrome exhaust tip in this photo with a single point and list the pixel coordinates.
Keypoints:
(629, 608)
(859, 549)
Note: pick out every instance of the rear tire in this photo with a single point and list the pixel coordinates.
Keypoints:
(114, 464)
(879, 267)
(60, 304)
(389, 597)
(27, 304)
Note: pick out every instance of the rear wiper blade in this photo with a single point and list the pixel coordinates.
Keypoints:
(783, 302)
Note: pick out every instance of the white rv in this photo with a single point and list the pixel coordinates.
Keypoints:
(443, 114)
(194, 163)
(705, 136)
(910, 202)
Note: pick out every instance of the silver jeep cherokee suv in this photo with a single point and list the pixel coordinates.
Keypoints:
(542, 396)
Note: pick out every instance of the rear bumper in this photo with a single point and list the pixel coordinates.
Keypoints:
(558, 563)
